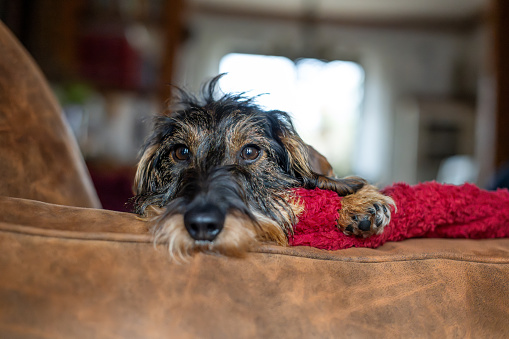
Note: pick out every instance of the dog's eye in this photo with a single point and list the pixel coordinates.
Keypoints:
(181, 153)
(250, 153)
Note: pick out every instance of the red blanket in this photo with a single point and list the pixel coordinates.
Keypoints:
(429, 210)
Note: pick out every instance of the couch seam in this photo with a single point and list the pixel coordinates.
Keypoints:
(77, 235)
(500, 261)
(146, 238)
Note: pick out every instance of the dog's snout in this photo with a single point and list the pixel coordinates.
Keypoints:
(204, 222)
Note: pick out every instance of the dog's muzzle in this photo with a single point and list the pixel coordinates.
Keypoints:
(204, 222)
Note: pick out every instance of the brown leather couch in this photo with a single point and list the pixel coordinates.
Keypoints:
(71, 270)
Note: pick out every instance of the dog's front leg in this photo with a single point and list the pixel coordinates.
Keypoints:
(365, 212)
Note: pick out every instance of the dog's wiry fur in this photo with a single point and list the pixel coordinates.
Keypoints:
(226, 163)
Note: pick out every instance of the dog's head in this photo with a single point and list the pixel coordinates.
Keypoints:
(218, 171)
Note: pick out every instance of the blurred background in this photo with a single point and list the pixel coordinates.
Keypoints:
(391, 90)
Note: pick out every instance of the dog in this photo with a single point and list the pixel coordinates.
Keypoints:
(217, 173)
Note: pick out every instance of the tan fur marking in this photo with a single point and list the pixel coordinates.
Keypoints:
(298, 153)
(144, 167)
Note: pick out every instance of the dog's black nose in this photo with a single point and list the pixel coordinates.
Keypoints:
(204, 222)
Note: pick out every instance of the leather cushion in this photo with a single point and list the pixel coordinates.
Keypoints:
(85, 273)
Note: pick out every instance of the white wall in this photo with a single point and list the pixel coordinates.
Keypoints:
(398, 64)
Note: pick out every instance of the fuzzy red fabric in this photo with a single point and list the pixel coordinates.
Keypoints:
(429, 209)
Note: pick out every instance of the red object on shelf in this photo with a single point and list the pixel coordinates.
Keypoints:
(107, 59)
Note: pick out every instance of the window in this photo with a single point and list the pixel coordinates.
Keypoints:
(324, 98)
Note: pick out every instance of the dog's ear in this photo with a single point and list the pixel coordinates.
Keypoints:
(326, 177)
(145, 170)
(147, 178)
(319, 163)
(301, 158)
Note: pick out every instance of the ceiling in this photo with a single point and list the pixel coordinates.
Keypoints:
(360, 10)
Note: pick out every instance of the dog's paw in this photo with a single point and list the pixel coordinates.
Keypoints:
(369, 223)
(365, 212)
